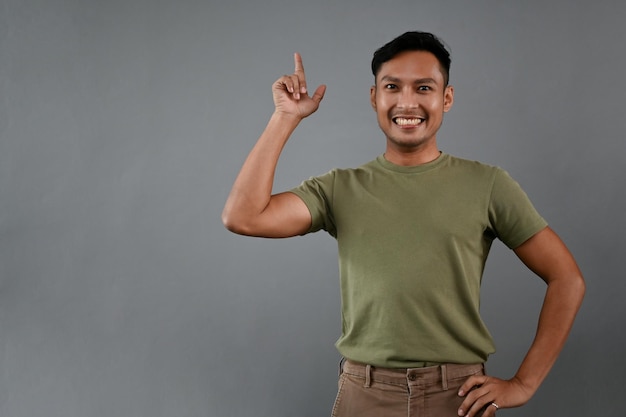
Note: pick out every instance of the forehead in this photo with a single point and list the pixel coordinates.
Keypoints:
(411, 65)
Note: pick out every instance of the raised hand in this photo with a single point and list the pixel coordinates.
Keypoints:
(251, 208)
(291, 94)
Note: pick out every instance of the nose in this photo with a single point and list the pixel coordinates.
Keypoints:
(408, 99)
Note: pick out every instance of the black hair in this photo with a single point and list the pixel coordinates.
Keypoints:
(413, 41)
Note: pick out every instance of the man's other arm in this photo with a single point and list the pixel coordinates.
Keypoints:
(548, 257)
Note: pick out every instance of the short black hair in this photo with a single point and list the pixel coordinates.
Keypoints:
(413, 41)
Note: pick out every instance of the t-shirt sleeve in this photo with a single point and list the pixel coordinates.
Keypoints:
(317, 194)
(513, 217)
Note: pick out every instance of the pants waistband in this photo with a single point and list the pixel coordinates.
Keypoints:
(441, 373)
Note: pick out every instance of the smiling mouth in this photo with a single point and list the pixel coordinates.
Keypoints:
(408, 121)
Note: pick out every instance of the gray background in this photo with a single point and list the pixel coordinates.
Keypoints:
(124, 122)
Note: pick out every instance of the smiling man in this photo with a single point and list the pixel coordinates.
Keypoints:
(414, 227)
(410, 96)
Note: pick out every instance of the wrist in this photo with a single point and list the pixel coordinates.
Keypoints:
(529, 387)
(285, 117)
(280, 127)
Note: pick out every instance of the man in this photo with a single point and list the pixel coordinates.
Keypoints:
(414, 227)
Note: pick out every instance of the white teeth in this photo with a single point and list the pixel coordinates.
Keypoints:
(408, 122)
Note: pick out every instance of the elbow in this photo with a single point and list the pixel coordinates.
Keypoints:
(578, 284)
(570, 288)
(581, 287)
(230, 223)
(576, 289)
(235, 224)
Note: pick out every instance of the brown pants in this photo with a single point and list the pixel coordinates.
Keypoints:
(368, 391)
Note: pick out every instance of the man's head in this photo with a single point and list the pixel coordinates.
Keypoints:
(411, 93)
(413, 41)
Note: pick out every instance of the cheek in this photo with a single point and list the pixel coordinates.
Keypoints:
(381, 117)
(437, 106)
(383, 104)
(379, 107)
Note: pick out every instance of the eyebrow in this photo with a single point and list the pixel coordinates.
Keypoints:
(417, 81)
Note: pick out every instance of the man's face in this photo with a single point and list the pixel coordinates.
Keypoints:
(410, 98)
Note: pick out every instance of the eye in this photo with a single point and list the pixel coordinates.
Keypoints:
(390, 86)
(424, 88)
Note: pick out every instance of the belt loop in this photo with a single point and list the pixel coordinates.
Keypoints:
(444, 377)
(368, 376)
(341, 362)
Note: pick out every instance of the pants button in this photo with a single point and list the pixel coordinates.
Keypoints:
(412, 377)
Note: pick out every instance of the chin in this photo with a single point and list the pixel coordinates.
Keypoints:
(408, 143)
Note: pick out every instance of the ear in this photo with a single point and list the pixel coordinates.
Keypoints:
(373, 97)
(448, 98)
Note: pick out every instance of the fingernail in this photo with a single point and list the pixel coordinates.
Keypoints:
(461, 413)
(303, 90)
(296, 96)
(461, 393)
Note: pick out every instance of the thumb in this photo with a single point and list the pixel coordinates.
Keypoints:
(318, 95)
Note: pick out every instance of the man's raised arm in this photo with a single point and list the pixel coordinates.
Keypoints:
(251, 208)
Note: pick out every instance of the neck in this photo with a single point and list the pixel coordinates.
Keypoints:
(411, 156)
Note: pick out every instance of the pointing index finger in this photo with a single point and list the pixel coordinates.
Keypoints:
(297, 59)
(299, 71)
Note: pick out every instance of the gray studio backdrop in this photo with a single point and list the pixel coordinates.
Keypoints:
(124, 122)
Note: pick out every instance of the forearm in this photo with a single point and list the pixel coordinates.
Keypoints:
(252, 189)
(562, 301)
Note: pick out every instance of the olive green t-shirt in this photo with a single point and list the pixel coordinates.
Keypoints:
(413, 242)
